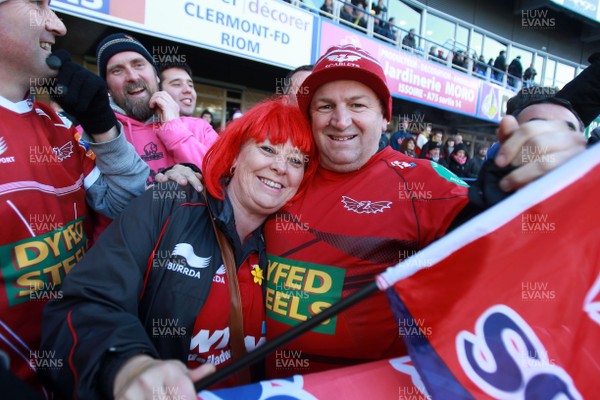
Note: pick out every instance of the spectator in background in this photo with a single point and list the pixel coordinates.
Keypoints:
(515, 71)
(500, 65)
(151, 117)
(409, 42)
(380, 26)
(433, 152)
(402, 133)
(398, 138)
(388, 29)
(236, 114)
(360, 16)
(475, 163)
(405, 124)
(529, 76)
(449, 146)
(347, 12)
(441, 56)
(294, 79)
(435, 137)
(422, 138)
(210, 118)
(380, 9)
(433, 53)
(458, 138)
(326, 9)
(408, 147)
(207, 116)
(458, 61)
(176, 79)
(480, 67)
(457, 162)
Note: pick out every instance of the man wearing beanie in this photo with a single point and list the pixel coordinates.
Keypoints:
(150, 116)
(365, 209)
(50, 179)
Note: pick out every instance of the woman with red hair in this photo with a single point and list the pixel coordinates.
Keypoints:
(149, 306)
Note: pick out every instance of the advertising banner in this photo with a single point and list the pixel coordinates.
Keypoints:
(267, 31)
(492, 101)
(410, 77)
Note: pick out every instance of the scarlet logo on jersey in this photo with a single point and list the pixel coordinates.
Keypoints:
(64, 151)
(365, 206)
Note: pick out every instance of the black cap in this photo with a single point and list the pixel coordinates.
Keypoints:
(118, 43)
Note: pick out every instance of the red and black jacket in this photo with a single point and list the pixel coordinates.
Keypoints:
(134, 276)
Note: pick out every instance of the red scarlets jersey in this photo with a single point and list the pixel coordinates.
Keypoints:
(211, 338)
(346, 229)
(43, 170)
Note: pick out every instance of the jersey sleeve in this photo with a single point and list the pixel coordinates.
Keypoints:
(442, 198)
(118, 177)
(187, 139)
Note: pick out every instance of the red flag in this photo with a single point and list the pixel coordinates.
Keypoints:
(508, 305)
(385, 379)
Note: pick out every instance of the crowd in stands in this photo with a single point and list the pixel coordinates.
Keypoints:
(451, 152)
(354, 13)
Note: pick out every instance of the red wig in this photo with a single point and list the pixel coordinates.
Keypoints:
(275, 119)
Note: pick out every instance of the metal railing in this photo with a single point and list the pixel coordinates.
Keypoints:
(374, 29)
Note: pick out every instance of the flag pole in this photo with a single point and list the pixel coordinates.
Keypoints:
(262, 351)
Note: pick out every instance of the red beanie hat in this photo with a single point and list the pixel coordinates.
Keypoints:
(346, 63)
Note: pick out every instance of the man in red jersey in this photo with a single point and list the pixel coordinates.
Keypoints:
(48, 178)
(366, 209)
